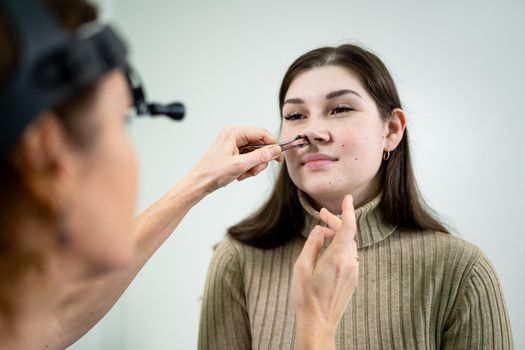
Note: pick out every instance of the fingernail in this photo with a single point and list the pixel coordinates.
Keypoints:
(275, 151)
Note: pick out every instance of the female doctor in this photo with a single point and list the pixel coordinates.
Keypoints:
(69, 245)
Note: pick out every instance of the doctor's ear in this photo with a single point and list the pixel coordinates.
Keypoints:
(45, 160)
(395, 129)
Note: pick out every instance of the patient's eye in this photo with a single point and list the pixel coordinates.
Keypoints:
(340, 109)
(294, 116)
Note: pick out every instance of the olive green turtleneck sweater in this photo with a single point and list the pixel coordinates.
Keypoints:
(416, 290)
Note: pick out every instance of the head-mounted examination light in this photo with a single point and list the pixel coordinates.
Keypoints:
(173, 110)
(52, 65)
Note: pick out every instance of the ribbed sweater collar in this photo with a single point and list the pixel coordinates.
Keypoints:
(371, 228)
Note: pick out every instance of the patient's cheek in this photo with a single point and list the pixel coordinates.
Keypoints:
(348, 149)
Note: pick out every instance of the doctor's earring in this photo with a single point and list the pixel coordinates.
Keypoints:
(386, 154)
(63, 237)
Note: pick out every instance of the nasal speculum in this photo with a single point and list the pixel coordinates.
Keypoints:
(297, 142)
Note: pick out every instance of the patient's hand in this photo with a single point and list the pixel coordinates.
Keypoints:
(322, 285)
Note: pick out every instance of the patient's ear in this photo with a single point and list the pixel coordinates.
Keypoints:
(395, 128)
(47, 161)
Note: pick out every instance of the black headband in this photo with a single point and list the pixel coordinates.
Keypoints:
(53, 65)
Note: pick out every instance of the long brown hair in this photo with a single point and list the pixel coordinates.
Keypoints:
(20, 251)
(281, 217)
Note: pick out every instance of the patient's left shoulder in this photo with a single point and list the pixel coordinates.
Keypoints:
(444, 248)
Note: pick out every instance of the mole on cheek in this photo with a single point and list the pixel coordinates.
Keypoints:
(343, 145)
(355, 158)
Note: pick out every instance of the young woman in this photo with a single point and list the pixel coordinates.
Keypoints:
(419, 286)
(68, 184)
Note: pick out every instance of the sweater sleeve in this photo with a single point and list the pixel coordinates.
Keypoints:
(479, 319)
(224, 322)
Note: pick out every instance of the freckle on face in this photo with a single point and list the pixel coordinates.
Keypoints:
(355, 158)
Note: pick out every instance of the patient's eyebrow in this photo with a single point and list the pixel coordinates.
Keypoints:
(338, 93)
(333, 94)
(294, 101)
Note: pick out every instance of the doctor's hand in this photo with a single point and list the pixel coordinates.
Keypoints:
(223, 162)
(323, 282)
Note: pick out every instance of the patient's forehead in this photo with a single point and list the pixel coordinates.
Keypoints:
(321, 81)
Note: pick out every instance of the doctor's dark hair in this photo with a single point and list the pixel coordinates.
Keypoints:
(19, 251)
(282, 217)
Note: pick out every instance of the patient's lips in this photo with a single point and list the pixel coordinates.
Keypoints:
(318, 161)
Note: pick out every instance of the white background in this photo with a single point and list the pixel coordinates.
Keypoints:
(459, 67)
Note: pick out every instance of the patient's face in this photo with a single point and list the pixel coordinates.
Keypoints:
(347, 134)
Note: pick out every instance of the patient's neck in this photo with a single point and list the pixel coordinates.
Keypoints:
(334, 201)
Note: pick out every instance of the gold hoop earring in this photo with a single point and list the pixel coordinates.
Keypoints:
(386, 154)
